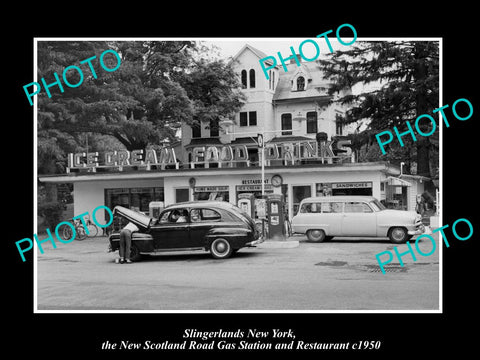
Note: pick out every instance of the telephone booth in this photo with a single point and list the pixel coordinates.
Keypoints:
(275, 217)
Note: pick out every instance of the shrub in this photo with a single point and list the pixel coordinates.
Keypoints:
(51, 212)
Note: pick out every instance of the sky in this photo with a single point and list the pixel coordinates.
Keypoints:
(229, 47)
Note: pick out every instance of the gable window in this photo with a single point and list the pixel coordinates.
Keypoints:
(252, 78)
(244, 79)
(286, 124)
(300, 83)
(312, 122)
(248, 118)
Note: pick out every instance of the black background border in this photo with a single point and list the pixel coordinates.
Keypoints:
(401, 334)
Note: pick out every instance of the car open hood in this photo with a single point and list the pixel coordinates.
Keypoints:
(139, 219)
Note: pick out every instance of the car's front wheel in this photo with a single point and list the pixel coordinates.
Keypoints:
(398, 235)
(220, 248)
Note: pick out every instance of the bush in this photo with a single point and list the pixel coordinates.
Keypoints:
(51, 212)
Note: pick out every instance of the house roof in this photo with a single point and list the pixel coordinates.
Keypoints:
(260, 54)
(316, 85)
(257, 52)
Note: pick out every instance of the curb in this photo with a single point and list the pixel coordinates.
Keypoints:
(284, 244)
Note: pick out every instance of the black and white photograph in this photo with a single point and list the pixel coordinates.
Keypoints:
(296, 180)
(228, 174)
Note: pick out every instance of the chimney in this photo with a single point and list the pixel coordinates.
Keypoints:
(299, 57)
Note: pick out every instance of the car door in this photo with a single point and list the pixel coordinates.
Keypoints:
(358, 219)
(171, 230)
(331, 215)
(202, 221)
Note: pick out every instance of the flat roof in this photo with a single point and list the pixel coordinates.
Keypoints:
(156, 174)
(340, 198)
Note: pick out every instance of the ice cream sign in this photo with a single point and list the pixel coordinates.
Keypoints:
(224, 154)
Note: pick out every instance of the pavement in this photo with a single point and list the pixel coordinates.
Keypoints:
(293, 275)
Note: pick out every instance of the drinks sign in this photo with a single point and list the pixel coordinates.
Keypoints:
(290, 151)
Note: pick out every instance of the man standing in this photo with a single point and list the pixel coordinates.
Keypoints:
(126, 243)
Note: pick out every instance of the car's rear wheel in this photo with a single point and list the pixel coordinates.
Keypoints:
(398, 235)
(316, 235)
(220, 248)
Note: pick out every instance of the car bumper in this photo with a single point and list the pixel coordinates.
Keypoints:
(254, 243)
(418, 231)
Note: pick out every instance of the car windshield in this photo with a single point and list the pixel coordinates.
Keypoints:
(377, 205)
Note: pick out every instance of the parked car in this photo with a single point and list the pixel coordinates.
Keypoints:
(215, 226)
(322, 218)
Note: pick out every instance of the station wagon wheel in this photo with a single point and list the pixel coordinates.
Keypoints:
(316, 235)
(220, 248)
(398, 235)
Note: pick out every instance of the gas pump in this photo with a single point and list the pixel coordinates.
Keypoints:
(276, 217)
(246, 202)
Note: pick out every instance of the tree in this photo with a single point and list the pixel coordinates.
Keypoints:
(141, 103)
(408, 76)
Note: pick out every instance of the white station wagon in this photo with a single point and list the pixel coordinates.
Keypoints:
(322, 218)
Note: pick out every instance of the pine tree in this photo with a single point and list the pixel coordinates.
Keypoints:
(407, 77)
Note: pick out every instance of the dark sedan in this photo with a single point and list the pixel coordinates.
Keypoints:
(215, 226)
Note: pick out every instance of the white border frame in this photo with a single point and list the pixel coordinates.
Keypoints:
(232, 39)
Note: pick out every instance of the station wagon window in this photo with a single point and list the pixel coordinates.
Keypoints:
(357, 207)
(310, 208)
(332, 207)
(197, 215)
(322, 207)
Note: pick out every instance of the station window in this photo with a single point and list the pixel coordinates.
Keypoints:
(133, 198)
(299, 193)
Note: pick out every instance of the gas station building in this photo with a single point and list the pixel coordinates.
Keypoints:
(305, 153)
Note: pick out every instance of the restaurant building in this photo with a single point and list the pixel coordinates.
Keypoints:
(305, 152)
